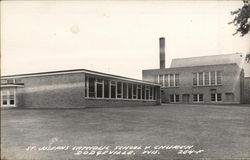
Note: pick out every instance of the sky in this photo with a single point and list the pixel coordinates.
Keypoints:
(116, 37)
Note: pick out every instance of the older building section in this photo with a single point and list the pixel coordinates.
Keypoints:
(207, 79)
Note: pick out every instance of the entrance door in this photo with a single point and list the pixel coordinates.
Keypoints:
(8, 98)
(185, 98)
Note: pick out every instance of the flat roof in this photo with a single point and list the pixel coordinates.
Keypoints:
(172, 68)
(77, 71)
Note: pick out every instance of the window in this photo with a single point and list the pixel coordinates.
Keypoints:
(197, 97)
(219, 97)
(161, 79)
(134, 91)
(91, 87)
(166, 80)
(151, 93)
(106, 88)
(177, 98)
(4, 98)
(147, 92)
(177, 81)
(155, 93)
(171, 98)
(206, 78)
(174, 98)
(130, 91)
(139, 92)
(125, 91)
(113, 89)
(212, 78)
(200, 74)
(219, 77)
(119, 90)
(12, 97)
(99, 88)
(143, 92)
(195, 79)
(171, 80)
(216, 97)
(8, 97)
(200, 98)
(3, 81)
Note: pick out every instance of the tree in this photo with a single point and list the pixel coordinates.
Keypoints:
(242, 21)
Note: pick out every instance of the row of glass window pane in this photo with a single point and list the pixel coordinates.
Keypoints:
(207, 78)
(167, 80)
(102, 88)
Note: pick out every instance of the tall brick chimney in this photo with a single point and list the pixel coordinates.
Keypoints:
(162, 52)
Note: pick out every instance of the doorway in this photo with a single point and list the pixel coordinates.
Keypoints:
(185, 98)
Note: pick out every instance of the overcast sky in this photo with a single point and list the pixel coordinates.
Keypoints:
(114, 37)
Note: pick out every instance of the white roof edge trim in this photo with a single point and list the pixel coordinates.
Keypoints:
(88, 72)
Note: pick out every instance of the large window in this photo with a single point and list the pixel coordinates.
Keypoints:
(91, 87)
(130, 91)
(151, 93)
(177, 81)
(161, 79)
(171, 80)
(147, 92)
(113, 89)
(106, 89)
(134, 91)
(207, 78)
(213, 78)
(200, 74)
(96, 87)
(219, 76)
(125, 90)
(195, 79)
(166, 81)
(119, 89)
(143, 92)
(139, 91)
(99, 87)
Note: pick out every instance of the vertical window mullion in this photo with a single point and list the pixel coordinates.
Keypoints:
(215, 77)
(209, 77)
(174, 80)
(197, 77)
(103, 88)
(203, 78)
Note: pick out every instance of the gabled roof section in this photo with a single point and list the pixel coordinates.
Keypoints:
(208, 60)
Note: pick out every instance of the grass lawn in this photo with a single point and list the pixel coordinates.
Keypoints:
(222, 132)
